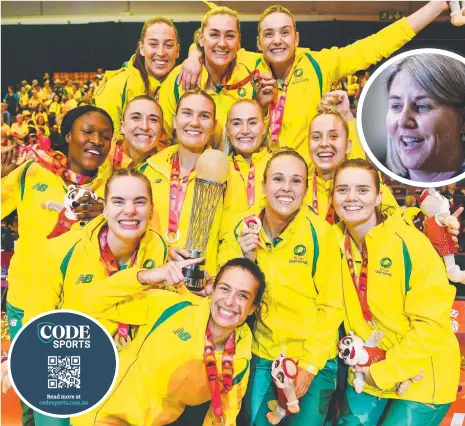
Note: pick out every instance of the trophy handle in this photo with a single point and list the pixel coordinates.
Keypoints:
(194, 275)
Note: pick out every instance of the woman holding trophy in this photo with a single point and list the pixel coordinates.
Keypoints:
(172, 174)
(297, 251)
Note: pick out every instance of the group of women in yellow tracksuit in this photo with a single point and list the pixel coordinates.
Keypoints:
(303, 273)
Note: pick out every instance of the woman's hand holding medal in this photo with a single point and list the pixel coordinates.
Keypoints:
(267, 91)
(250, 237)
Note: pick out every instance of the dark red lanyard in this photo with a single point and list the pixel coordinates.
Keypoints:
(277, 109)
(178, 189)
(212, 371)
(112, 266)
(250, 181)
(361, 284)
(331, 216)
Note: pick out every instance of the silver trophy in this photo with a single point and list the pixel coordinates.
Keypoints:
(212, 172)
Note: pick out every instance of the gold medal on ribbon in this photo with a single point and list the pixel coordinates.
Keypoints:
(172, 236)
(255, 81)
(219, 421)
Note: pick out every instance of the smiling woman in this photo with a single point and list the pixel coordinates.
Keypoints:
(141, 130)
(297, 251)
(172, 173)
(226, 73)
(154, 58)
(395, 283)
(29, 188)
(185, 343)
(426, 118)
(246, 145)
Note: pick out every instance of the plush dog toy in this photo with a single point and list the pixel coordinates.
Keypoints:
(457, 12)
(66, 215)
(436, 208)
(283, 372)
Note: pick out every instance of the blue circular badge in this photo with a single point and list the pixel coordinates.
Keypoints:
(63, 363)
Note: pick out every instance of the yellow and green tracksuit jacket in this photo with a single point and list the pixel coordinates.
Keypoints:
(313, 72)
(118, 87)
(235, 201)
(162, 371)
(74, 267)
(304, 292)
(158, 171)
(410, 299)
(27, 189)
(171, 91)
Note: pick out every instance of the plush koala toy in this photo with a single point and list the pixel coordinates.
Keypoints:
(436, 208)
(66, 215)
(283, 372)
(457, 12)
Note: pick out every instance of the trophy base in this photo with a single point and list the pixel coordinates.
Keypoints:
(194, 275)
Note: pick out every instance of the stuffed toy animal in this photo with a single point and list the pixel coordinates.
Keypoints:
(355, 352)
(283, 372)
(436, 208)
(457, 12)
(66, 215)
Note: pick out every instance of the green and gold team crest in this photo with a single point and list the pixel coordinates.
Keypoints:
(149, 264)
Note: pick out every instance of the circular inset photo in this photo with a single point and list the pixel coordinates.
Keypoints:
(62, 363)
(411, 118)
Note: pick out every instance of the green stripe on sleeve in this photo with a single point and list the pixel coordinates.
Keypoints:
(317, 69)
(316, 249)
(123, 96)
(176, 90)
(65, 262)
(22, 185)
(407, 266)
(168, 313)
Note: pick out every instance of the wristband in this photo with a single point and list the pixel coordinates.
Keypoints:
(4, 358)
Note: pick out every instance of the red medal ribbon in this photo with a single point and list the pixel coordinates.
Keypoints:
(331, 216)
(212, 371)
(112, 266)
(277, 109)
(178, 189)
(250, 181)
(57, 163)
(361, 284)
(118, 155)
(253, 77)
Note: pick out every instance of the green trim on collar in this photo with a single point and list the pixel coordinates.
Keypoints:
(241, 375)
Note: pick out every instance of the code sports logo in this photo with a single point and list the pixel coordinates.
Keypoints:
(63, 363)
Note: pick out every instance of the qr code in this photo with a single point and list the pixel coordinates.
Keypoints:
(64, 372)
